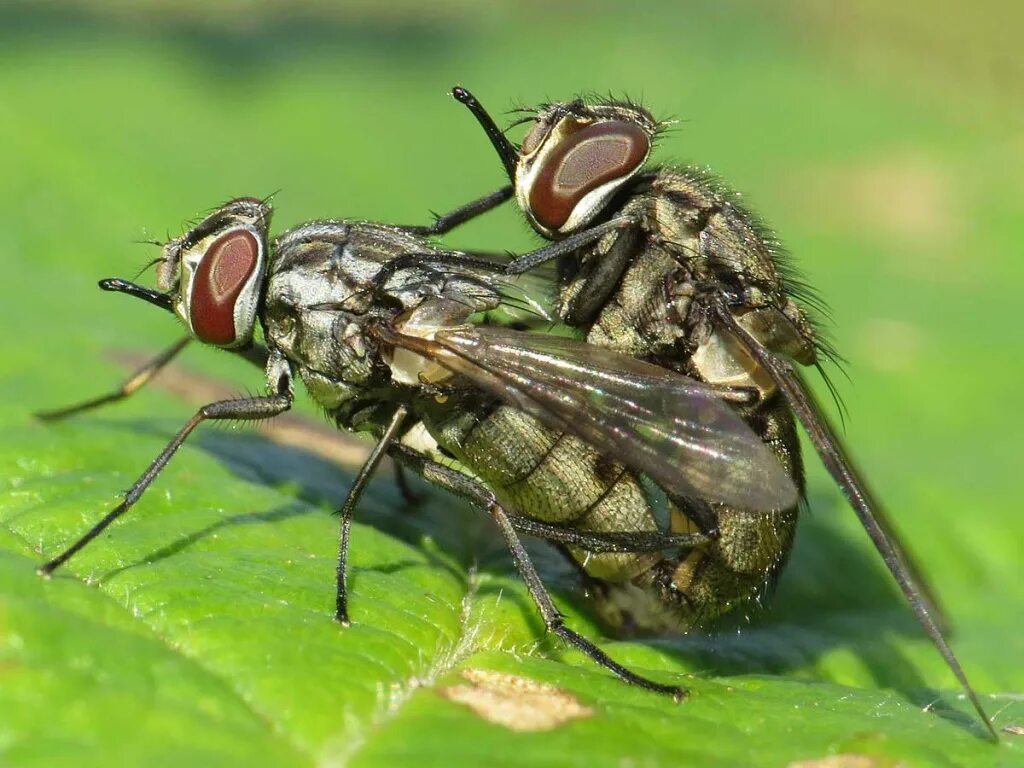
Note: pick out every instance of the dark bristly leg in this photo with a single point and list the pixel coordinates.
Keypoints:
(132, 384)
(411, 497)
(520, 263)
(349, 507)
(468, 488)
(553, 619)
(250, 409)
(254, 353)
(527, 261)
(447, 222)
(609, 541)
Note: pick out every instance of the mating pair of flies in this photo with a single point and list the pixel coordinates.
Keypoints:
(656, 446)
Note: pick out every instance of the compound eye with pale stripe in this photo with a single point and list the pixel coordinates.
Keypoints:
(583, 170)
(222, 309)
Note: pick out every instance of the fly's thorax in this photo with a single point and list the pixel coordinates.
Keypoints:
(712, 231)
(332, 282)
(215, 272)
(575, 158)
(724, 246)
(305, 317)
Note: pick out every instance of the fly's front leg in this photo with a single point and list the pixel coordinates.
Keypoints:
(483, 498)
(519, 264)
(524, 262)
(247, 409)
(527, 261)
(445, 223)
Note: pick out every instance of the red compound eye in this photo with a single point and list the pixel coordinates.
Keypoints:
(221, 276)
(581, 163)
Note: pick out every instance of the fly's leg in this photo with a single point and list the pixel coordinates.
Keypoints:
(248, 409)
(445, 223)
(519, 264)
(410, 496)
(132, 384)
(527, 261)
(608, 541)
(555, 622)
(462, 485)
(348, 510)
(523, 262)
(466, 487)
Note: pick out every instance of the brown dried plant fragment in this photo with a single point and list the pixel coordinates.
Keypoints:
(847, 761)
(516, 703)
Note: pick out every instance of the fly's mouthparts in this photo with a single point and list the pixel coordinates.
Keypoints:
(118, 285)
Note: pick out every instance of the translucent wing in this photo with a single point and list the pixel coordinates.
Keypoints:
(670, 427)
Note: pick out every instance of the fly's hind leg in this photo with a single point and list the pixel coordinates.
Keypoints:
(468, 488)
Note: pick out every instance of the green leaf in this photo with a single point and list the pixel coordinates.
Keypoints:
(198, 630)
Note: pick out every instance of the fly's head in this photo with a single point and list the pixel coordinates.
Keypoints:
(214, 272)
(574, 158)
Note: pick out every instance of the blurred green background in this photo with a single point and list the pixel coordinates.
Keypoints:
(884, 141)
